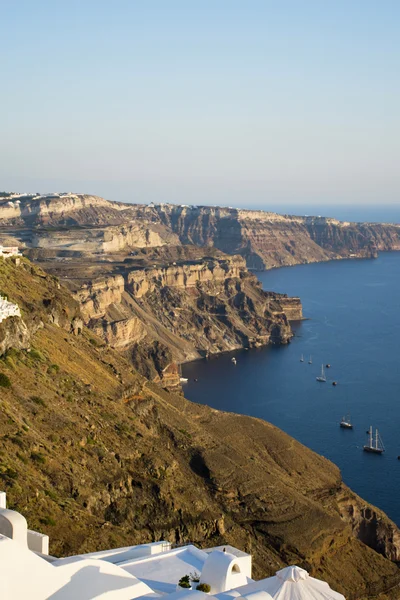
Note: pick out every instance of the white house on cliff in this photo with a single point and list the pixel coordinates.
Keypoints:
(145, 571)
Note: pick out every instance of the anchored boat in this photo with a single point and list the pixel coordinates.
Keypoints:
(375, 443)
(322, 377)
(346, 422)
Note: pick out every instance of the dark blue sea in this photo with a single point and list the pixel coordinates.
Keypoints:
(353, 312)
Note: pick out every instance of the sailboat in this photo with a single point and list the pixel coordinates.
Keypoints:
(310, 361)
(234, 360)
(181, 378)
(322, 377)
(346, 422)
(301, 358)
(375, 443)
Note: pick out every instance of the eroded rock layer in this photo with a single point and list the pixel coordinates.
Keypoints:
(183, 311)
(89, 224)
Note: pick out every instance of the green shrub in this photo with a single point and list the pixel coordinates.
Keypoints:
(4, 381)
(38, 400)
(38, 457)
(36, 355)
(47, 521)
(184, 582)
(203, 587)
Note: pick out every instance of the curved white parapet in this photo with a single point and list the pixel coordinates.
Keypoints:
(222, 571)
(14, 526)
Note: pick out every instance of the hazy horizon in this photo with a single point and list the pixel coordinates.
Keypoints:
(229, 103)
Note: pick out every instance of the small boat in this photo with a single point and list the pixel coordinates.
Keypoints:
(234, 360)
(310, 361)
(301, 358)
(183, 379)
(346, 423)
(328, 366)
(322, 377)
(375, 443)
(334, 382)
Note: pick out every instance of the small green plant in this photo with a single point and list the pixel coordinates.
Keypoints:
(37, 355)
(48, 521)
(38, 400)
(203, 587)
(4, 381)
(38, 457)
(184, 582)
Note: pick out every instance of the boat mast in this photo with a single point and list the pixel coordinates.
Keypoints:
(370, 437)
(376, 440)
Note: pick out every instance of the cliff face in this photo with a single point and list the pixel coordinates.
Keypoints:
(89, 224)
(184, 311)
(96, 456)
(269, 240)
(57, 208)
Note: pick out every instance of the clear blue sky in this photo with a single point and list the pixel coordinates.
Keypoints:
(238, 102)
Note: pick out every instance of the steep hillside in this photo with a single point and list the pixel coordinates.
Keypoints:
(96, 456)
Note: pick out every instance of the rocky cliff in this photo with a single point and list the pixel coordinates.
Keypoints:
(269, 240)
(96, 456)
(89, 224)
(181, 311)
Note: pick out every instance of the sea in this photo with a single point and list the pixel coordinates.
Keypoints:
(352, 311)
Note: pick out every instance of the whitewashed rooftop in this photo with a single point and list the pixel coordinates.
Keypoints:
(143, 571)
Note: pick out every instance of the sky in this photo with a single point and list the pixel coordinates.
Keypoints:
(236, 102)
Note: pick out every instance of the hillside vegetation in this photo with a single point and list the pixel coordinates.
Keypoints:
(96, 456)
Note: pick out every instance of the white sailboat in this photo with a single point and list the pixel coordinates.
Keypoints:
(375, 443)
(310, 361)
(322, 377)
(234, 360)
(181, 378)
(301, 358)
(346, 423)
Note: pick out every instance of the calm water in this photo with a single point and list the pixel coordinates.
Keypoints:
(354, 324)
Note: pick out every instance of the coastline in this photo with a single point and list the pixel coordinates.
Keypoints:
(273, 385)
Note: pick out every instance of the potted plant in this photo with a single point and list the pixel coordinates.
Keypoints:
(203, 587)
(184, 583)
(194, 577)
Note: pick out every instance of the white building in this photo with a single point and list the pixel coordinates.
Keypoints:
(8, 309)
(145, 571)
(7, 251)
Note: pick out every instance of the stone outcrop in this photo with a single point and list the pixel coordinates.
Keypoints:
(184, 311)
(184, 276)
(14, 334)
